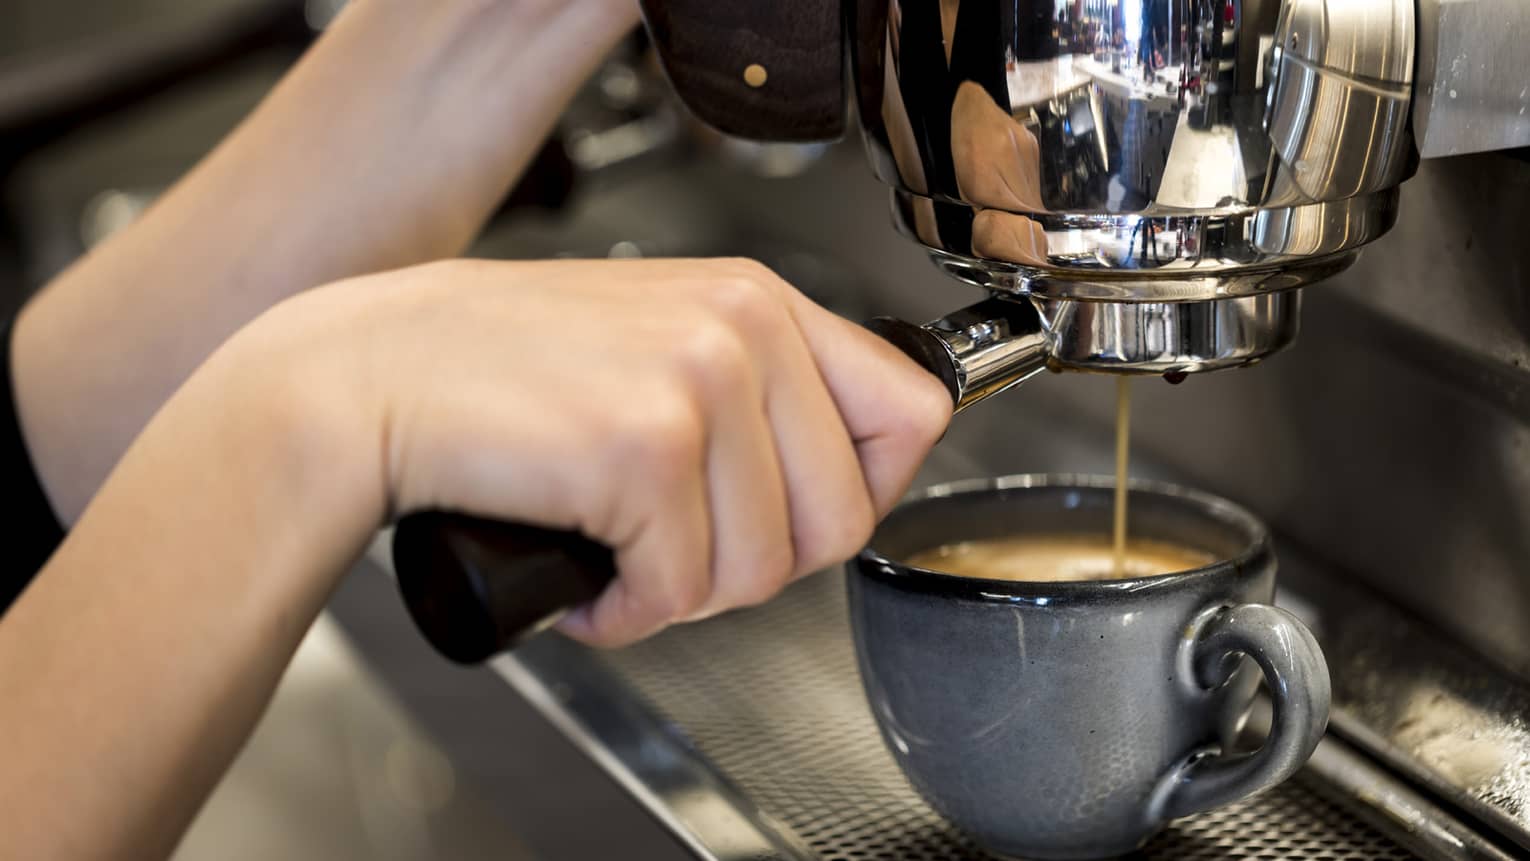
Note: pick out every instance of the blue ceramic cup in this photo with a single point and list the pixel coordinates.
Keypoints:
(1075, 719)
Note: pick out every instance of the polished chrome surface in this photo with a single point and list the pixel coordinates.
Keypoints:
(978, 351)
(1188, 258)
(1153, 150)
(1420, 703)
(1391, 806)
(1001, 342)
(1361, 40)
(1169, 337)
(769, 700)
(995, 345)
(595, 711)
(1473, 90)
(1342, 74)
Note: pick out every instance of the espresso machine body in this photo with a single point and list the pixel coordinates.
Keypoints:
(1155, 181)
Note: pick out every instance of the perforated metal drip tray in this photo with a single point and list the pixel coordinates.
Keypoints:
(750, 737)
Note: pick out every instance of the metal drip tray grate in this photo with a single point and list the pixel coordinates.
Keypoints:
(770, 697)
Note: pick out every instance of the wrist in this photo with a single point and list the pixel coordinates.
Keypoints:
(276, 426)
(184, 588)
(303, 368)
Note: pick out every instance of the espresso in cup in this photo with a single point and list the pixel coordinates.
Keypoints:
(1060, 558)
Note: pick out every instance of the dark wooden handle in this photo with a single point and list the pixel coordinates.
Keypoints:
(770, 71)
(478, 587)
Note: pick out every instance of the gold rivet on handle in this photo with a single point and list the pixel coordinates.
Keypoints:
(755, 75)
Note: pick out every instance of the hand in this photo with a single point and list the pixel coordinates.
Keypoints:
(715, 428)
(720, 432)
(998, 169)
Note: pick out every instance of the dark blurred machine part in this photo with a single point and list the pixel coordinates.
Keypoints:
(57, 76)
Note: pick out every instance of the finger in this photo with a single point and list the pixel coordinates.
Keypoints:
(753, 555)
(828, 491)
(660, 530)
(830, 509)
(752, 550)
(893, 410)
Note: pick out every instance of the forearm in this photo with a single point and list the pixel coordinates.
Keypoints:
(727, 436)
(390, 143)
(138, 661)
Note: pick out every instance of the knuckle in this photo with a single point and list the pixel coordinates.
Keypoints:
(661, 438)
(743, 302)
(746, 297)
(713, 358)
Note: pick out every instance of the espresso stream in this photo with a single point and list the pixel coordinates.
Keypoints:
(1062, 557)
(1123, 446)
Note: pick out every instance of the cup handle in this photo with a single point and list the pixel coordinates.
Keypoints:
(1297, 676)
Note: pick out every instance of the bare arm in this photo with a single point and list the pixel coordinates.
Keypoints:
(722, 434)
(389, 144)
(142, 655)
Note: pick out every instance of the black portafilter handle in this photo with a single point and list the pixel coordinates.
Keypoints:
(478, 587)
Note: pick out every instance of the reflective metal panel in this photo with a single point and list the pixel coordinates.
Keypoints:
(1040, 144)
(1473, 76)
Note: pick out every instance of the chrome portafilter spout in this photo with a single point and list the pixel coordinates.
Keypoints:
(1004, 340)
(978, 351)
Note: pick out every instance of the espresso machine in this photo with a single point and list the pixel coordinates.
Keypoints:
(1159, 218)
(1140, 188)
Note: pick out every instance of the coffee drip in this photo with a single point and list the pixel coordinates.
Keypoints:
(1123, 450)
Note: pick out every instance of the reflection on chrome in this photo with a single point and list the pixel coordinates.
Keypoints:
(1152, 175)
(1074, 139)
